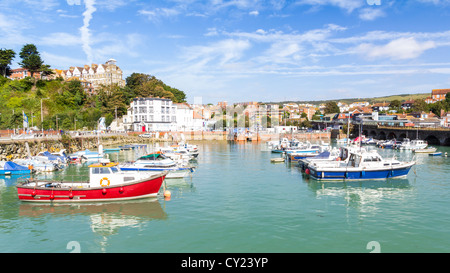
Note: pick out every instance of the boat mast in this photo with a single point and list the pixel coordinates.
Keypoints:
(348, 129)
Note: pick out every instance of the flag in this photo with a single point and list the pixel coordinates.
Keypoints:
(25, 120)
(101, 124)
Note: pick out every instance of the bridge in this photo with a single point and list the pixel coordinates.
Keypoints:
(434, 136)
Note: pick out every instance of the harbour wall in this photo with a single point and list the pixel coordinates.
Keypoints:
(20, 148)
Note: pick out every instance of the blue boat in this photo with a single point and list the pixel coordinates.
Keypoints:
(359, 165)
(111, 150)
(435, 154)
(11, 168)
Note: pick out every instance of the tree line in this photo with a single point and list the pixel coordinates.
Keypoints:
(64, 105)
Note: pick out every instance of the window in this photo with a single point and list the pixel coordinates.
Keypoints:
(100, 171)
(104, 171)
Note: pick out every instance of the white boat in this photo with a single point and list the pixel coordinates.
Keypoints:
(408, 144)
(177, 154)
(341, 141)
(341, 154)
(38, 165)
(192, 149)
(425, 150)
(87, 155)
(158, 162)
(48, 157)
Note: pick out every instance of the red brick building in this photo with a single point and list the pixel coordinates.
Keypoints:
(22, 73)
(439, 94)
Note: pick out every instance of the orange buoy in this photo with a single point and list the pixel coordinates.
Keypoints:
(167, 194)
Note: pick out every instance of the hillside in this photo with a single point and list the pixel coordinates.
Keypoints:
(401, 97)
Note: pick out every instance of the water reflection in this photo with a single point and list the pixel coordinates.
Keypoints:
(364, 195)
(106, 218)
(11, 180)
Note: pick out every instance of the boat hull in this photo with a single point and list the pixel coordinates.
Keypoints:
(359, 174)
(14, 172)
(127, 191)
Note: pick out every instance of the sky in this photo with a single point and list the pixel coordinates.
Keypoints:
(246, 50)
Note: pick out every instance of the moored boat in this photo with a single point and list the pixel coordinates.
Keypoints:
(38, 165)
(158, 162)
(408, 144)
(106, 183)
(426, 150)
(360, 165)
(11, 168)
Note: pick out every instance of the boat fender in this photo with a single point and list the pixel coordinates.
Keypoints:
(121, 190)
(104, 191)
(307, 171)
(104, 182)
(70, 194)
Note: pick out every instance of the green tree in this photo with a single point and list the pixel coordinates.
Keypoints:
(31, 59)
(143, 85)
(395, 105)
(6, 57)
(447, 102)
(420, 105)
(331, 108)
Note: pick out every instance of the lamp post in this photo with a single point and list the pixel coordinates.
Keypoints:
(57, 127)
(42, 117)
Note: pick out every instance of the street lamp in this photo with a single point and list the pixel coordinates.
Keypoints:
(42, 117)
(57, 127)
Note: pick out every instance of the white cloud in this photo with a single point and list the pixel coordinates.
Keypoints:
(158, 13)
(254, 13)
(399, 49)
(348, 5)
(85, 31)
(370, 14)
(61, 39)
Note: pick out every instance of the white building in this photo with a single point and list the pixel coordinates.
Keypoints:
(153, 114)
(185, 115)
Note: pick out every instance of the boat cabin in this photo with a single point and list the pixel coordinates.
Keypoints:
(108, 174)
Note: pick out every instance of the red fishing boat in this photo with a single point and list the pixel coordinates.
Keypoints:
(106, 183)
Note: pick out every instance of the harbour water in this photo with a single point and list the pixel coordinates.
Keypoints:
(238, 201)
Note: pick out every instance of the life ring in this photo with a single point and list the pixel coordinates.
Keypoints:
(106, 183)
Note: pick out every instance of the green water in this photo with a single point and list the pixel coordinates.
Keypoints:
(237, 201)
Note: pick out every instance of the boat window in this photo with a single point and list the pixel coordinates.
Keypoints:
(114, 170)
(95, 170)
(104, 171)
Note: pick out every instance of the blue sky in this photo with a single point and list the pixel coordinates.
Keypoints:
(246, 50)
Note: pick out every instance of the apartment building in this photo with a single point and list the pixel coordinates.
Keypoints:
(153, 114)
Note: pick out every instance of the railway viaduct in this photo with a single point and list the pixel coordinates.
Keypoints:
(434, 136)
